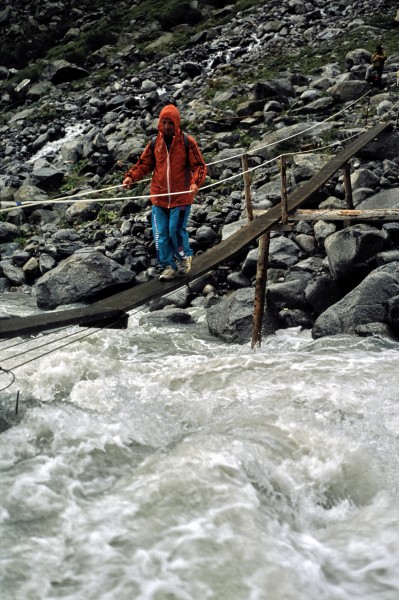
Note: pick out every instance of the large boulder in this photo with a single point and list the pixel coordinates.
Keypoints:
(282, 139)
(374, 300)
(386, 145)
(62, 71)
(351, 250)
(47, 179)
(346, 91)
(364, 178)
(8, 232)
(291, 293)
(384, 199)
(82, 211)
(81, 277)
(30, 193)
(231, 318)
(283, 253)
(274, 88)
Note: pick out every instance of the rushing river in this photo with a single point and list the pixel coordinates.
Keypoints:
(158, 463)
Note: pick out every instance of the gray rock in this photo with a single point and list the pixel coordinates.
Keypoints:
(39, 90)
(349, 249)
(80, 278)
(322, 292)
(72, 151)
(15, 275)
(30, 193)
(82, 211)
(295, 318)
(367, 303)
(206, 235)
(8, 232)
(375, 329)
(46, 263)
(179, 299)
(364, 178)
(231, 317)
(346, 91)
(384, 199)
(290, 294)
(167, 316)
(62, 71)
(283, 252)
(307, 165)
(276, 142)
(46, 178)
(386, 145)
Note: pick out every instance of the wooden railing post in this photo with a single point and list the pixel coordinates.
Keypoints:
(247, 187)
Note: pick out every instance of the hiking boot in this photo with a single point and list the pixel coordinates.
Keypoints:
(185, 265)
(168, 273)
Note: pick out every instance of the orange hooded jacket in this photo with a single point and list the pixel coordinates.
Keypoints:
(170, 166)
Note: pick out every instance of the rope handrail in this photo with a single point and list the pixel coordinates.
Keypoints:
(68, 199)
(63, 200)
(314, 126)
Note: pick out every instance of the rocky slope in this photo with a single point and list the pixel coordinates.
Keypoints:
(245, 81)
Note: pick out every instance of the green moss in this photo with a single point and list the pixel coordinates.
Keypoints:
(75, 178)
(22, 241)
(105, 216)
(176, 12)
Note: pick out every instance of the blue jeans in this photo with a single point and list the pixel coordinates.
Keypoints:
(170, 233)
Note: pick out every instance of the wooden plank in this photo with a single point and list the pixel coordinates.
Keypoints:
(116, 305)
(86, 315)
(370, 214)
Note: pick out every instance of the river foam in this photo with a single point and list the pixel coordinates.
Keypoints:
(161, 464)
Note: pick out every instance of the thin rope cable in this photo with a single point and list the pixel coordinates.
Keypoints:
(91, 332)
(52, 332)
(8, 372)
(46, 343)
(68, 198)
(294, 134)
(209, 186)
(61, 330)
(392, 107)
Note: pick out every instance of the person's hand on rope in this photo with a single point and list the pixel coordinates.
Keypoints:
(127, 182)
(194, 189)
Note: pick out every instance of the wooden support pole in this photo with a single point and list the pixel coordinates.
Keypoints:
(284, 197)
(247, 187)
(348, 187)
(260, 289)
(348, 190)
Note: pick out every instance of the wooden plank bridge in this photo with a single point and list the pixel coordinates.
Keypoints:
(112, 311)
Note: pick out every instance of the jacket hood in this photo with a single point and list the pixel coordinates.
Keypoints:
(170, 112)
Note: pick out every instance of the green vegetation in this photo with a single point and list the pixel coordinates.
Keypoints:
(105, 216)
(111, 19)
(176, 12)
(21, 241)
(77, 51)
(75, 178)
